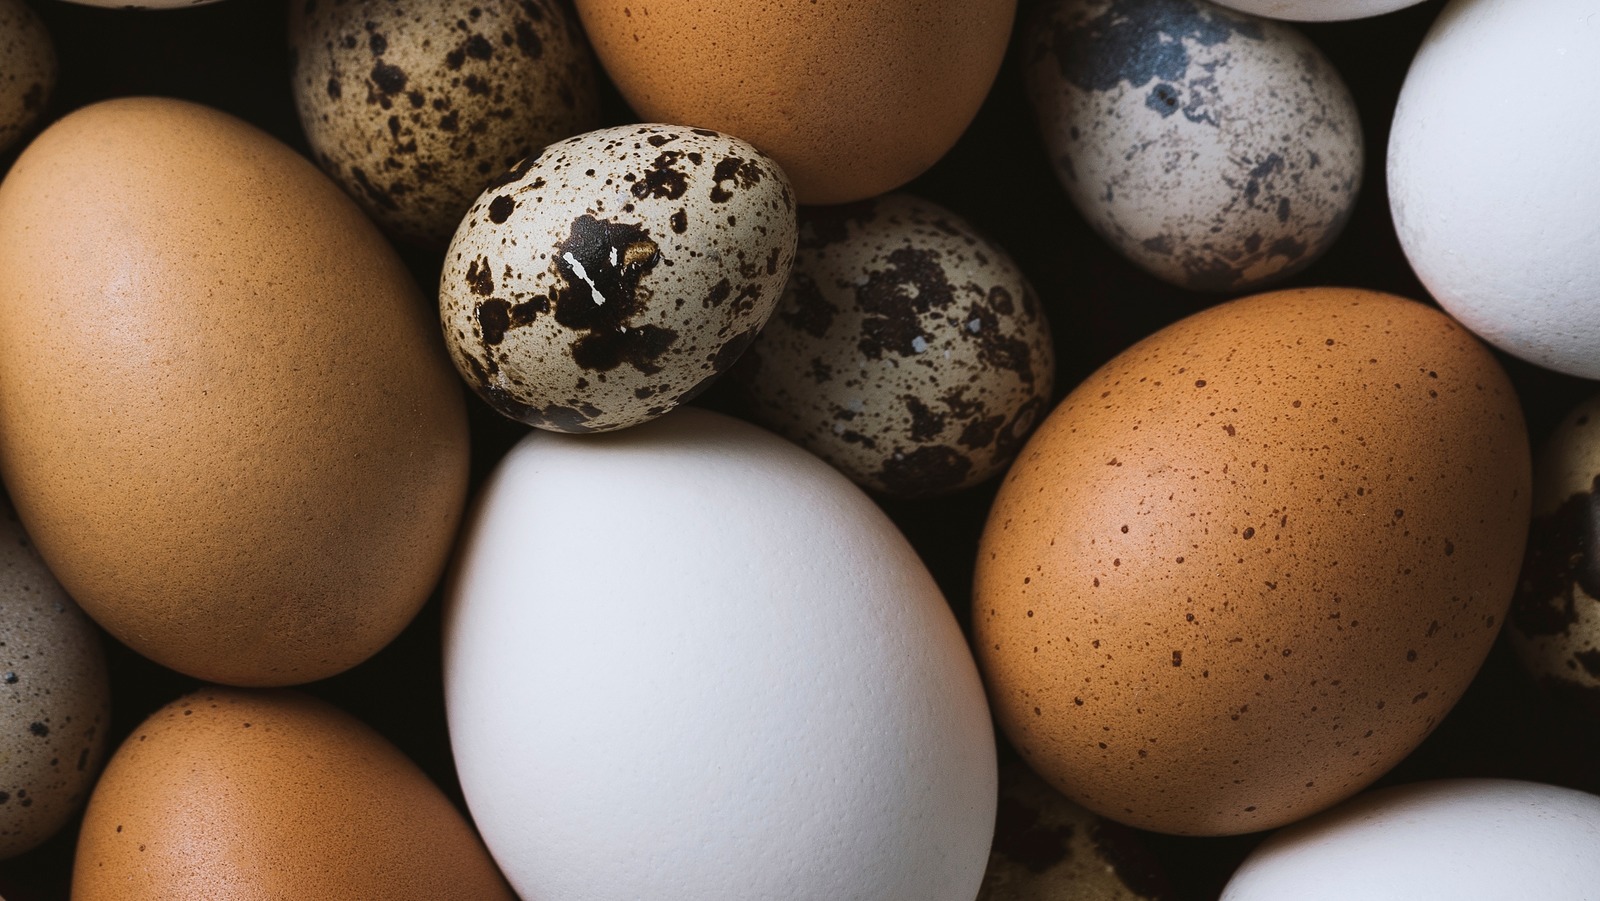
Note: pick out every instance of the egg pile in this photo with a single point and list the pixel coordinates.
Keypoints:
(1019, 450)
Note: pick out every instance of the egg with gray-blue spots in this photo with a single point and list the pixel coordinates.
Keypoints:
(614, 275)
(55, 697)
(1215, 150)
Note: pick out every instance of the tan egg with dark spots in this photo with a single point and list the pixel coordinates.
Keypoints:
(414, 105)
(616, 274)
(908, 350)
(27, 70)
(1250, 563)
(232, 794)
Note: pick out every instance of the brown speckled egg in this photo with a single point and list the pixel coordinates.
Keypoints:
(852, 99)
(55, 697)
(1248, 565)
(415, 105)
(908, 350)
(27, 70)
(1216, 150)
(1555, 620)
(230, 795)
(614, 275)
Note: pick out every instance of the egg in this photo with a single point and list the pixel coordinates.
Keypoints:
(1252, 561)
(1463, 839)
(55, 698)
(1496, 212)
(1216, 151)
(907, 350)
(231, 794)
(1555, 624)
(689, 660)
(225, 415)
(27, 70)
(415, 106)
(1317, 10)
(853, 100)
(616, 274)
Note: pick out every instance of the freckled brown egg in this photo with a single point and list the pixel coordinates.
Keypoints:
(852, 99)
(614, 275)
(27, 70)
(908, 350)
(1248, 565)
(55, 698)
(415, 105)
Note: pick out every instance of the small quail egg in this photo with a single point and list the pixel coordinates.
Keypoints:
(27, 70)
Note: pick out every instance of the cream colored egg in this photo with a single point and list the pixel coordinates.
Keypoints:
(27, 70)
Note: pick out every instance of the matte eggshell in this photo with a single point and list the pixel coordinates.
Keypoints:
(852, 99)
(226, 417)
(234, 795)
(690, 662)
(27, 70)
(1492, 179)
(1317, 10)
(1462, 839)
(1250, 563)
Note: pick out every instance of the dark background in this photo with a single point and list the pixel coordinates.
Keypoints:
(232, 56)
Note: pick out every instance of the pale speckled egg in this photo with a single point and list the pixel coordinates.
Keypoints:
(1250, 563)
(614, 275)
(415, 105)
(55, 697)
(1555, 620)
(908, 350)
(1217, 151)
(1317, 10)
(27, 70)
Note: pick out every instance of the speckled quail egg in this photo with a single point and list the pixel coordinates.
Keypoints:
(415, 105)
(55, 698)
(614, 275)
(27, 70)
(1215, 150)
(908, 350)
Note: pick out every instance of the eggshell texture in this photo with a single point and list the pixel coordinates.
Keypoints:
(1497, 212)
(1317, 10)
(1249, 564)
(1555, 619)
(614, 275)
(691, 661)
(414, 106)
(229, 794)
(852, 99)
(27, 70)
(1217, 151)
(1466, 839)
(55, 698)
(907, 350)
(225, 417)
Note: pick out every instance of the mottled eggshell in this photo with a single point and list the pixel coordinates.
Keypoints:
(226, 417)
(1250, 563)
(414, 106)
(1317, 10)
(231, 795)
(1555, 620)
(614, 275)
(907, 350)
(1462, 839)
(1496, 212)
(1217, 151)
(852, 99)
(691, 662)
(27, 70)
(55, 697)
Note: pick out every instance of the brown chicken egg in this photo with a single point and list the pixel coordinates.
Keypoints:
(1250, 563)
(229, 794)
(226, 415)
(851, 99)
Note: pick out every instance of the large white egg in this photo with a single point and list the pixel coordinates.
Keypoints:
(1461, 839)
(689, 661)
(1317, 10)
(1492, 181)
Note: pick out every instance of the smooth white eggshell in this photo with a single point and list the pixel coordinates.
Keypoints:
(1492, 176)
(1317, 10)
(689, 661)
(1461, 839)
